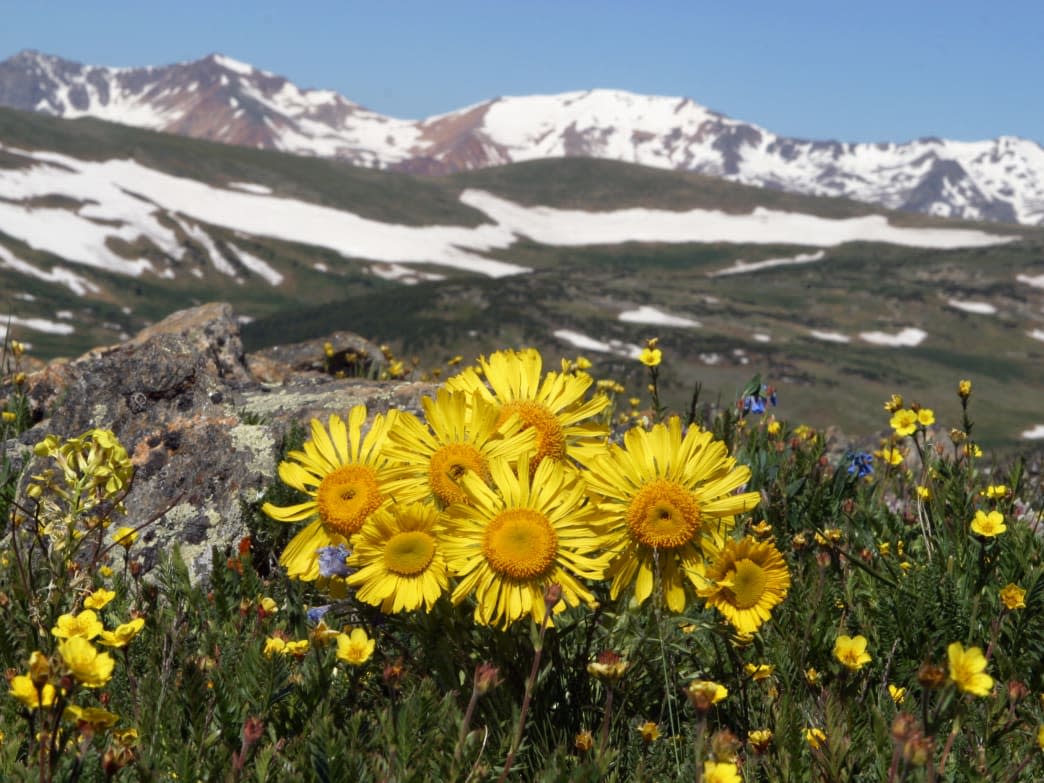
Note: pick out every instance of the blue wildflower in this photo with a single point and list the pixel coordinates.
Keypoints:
(861, 464)
(315, 614)
(755, 402)
(332, 560)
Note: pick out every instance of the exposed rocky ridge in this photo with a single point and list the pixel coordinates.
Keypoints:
(203, 430)
(220, 99)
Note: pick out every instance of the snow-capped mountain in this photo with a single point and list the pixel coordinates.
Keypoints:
(224, 100)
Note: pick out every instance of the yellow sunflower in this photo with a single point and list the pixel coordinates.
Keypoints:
(670, 498)
(745, 579)
(509, 544)
(464, 432)
(554, 405)
(400, 562)
(345, 474)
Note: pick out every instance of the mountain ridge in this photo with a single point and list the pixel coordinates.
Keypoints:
(222, 99)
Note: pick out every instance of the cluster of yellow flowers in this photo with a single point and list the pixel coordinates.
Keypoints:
(51, 682)
(510, 485)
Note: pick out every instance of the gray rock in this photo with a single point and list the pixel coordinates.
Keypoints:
(203, 431)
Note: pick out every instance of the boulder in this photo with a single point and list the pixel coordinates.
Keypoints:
(203, 430)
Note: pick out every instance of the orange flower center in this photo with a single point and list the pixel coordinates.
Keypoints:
(664, 515)
(449, 464)
(520, 543)
(347, 497)
(551, 440)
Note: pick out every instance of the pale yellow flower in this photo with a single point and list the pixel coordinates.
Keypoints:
(355, 648)
(99, 598)
(851, 652)
(1013, 596)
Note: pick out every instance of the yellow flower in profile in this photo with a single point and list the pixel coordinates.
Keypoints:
(988, 525)
(296, 648)
(705, 693)
(463, 433)
(774, 428)
(85, 624)
(898, 694)
(721, 772)
(90, 667)
(759, 671)
(968, 670)
(964, 389)
(400, 563)
(923, 493)
(274, 645)
(670, 499)
(926, 417)
(744, 581)
(355, 648)
(33, 698)
(890, 455)
(511, 543)
(92, 716)
(760, 739)
(651, 357)
(121, 634)
(125, 537)
(99, 598)
(815, 738)
(650, 731)
(994, 491)
(904, 421)
(851, 651)
(553, 405)
(583, 741)
(345, 474)
(1013, 597)
(1040, 737)
(811, 676)
(894, 403)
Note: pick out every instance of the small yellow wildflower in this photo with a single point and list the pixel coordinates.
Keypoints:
(268, 605)
(890, 455)
(721, 772)
(815, 738)
(964, 389)
(972, 450)
(355, 648)
(1040, 737)
(904, 422)
(760, 739)
(1013, 597)
(650, 731)
(851, 652)
(705, 693)
(99, 598)
(296, 648)
(924, 493)
(894, 403)
(761, 671)
(968, 670)
(651, 357)
(23, 689)
(90, 667)
(583, 741)
(85, 624)
(274, 645)
(125, 537)
(926, 417)
(121, 634)
(898, 694)
(988, 525)
(105, 571)
(811, 676)
(608, 666)
(994, 491)
(92, 716)
(8, 416)
(774, 428)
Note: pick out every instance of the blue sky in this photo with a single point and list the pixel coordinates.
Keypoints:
(853, 71)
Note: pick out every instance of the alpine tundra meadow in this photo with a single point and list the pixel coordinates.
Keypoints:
(544, 577)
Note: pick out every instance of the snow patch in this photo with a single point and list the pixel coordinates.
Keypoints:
(830, 337)
(586, 343)
(1037, 334)
(399, 272)
(78, 285)
(1037, 281)
(741, 267)
(978, 308)
(762, 338)
(1036, 433)
(250, 187)
(650, 315)
(35, 324)
(257, 266)
(907, 338)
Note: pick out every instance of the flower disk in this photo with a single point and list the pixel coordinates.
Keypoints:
(520, 543)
